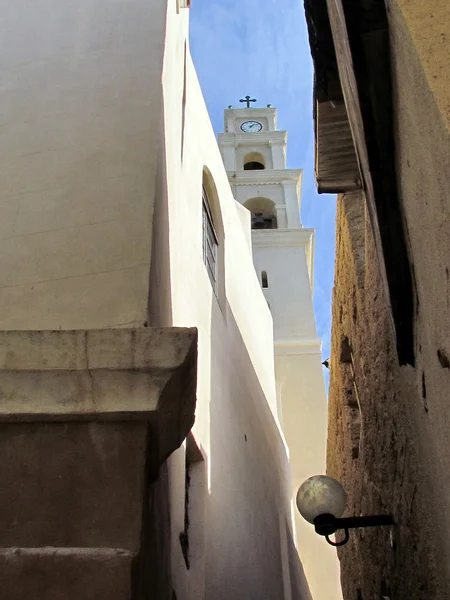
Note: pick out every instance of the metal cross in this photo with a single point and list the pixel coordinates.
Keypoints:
(248, 100)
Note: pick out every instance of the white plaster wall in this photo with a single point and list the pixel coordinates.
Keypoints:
(229, 156)
(292, 201)
(246, 221)
(249, 488)
(303, 410)
(302, 404)
(79, 113)
(279, 155)
(289, 292)
(286, 257)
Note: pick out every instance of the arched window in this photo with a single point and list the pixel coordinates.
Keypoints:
(183, 106)
(263, 213)
(210, 241)
(213, 237)
(254, 161)
(253, 166)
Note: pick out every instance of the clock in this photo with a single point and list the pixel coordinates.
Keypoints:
(251, 126)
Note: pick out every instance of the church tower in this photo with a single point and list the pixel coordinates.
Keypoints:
(254, 154)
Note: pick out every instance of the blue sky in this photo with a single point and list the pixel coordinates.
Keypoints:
(260, 47)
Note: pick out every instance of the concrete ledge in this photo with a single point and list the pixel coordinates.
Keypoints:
(270, 238)
(65, 573)
(95, 375)
(267, 176)
(298, 346)
(143, 349)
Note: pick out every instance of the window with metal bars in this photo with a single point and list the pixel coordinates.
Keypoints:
(210, 243)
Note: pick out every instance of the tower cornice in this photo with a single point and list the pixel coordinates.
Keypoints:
(263, 137)
(282, 237)
(298, 345)
(268, 176)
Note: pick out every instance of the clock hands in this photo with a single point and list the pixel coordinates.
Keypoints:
(251, 126)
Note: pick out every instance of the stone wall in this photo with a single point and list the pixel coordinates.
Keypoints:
(389, 434)
(421, 82)
(377, 445)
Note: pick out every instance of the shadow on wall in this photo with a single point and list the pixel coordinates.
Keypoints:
(251, 545)
(298, 582)
(152, 579)
(160, 296)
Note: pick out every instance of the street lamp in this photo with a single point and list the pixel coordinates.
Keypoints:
(321, 501)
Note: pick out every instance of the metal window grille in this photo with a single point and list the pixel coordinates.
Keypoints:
(210, 243)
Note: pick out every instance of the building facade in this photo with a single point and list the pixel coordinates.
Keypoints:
(144, 455)
(382, 143)
(254, 154)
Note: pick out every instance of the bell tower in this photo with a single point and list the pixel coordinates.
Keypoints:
(254, 154)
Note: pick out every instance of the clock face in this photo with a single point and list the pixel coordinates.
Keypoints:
(251, 126)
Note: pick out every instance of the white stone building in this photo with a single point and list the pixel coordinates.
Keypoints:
(123, 251)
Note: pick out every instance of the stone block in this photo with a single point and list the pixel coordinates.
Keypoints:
(72, 484)
(65, 573)
(140, 373)
(85, 417)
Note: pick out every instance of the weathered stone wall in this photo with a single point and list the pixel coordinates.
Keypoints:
(389, 433)
(421, 81)
(377, 444)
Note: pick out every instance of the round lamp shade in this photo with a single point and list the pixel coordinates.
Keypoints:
(320, 495)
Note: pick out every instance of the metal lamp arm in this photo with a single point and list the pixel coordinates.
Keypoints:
(371, 521)
(327, 524)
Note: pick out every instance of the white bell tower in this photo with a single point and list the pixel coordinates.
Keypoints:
(254, 154)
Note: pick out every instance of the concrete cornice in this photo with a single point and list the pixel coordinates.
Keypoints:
(262, 137)
(108, 374)
(271, 238)
(252, 113)
(296, 346)
(266, 176)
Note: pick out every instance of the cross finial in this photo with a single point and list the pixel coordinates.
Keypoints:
(247, 99)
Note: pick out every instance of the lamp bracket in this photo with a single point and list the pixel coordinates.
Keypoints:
(327, 524)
